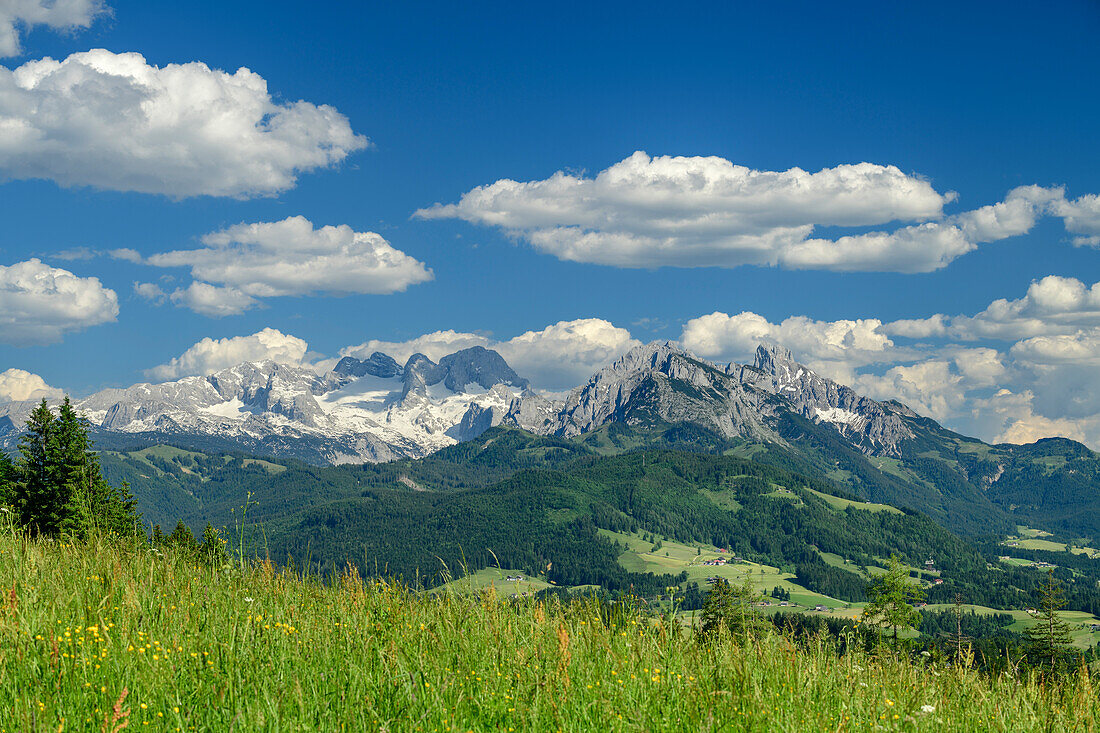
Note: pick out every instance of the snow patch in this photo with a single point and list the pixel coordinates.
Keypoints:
(839, 416)
(233, 409)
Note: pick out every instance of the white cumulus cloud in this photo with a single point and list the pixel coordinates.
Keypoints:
(563, 355)
(61, 15)
(288, 257)
(1082, 217)
(434, 345)
(709, 212)
(1082, 347)
(17, 385)
(931, 387)
(39, 304)
(1013, 413)
(210, 355)
(213, 301)
(1053, 304)
(113, 121)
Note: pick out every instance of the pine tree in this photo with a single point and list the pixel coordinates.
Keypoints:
(156, 539)
(1049, 639)
(891, 597)
(59, 486)
(41, 501)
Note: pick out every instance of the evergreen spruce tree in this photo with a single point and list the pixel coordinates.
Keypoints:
(1049, 639)
(59, 486)
(182, 539)
(156, 539)
(891, 597)
(731, 609)
(94, 503)
(41, 501)
(7, 482)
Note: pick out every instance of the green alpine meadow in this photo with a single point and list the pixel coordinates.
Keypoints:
(108, 635)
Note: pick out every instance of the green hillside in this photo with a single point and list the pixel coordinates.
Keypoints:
(517, 500)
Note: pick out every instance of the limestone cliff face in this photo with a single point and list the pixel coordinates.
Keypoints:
(874, 427)
(661, 381)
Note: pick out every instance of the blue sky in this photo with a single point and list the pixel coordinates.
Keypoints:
(974, 98)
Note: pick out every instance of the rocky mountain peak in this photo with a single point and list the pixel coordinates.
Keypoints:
(478, 365)
(377, 365)
(872, 426)
(771, 358)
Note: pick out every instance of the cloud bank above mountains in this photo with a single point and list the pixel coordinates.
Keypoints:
(1018, 370)
(649, 212)
(557, 357)
(986, 374)
(211, 355)
(17, 385)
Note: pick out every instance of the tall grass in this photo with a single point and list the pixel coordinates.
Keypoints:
(95, 636)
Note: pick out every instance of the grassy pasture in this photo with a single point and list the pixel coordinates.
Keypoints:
(837, 502)
(681, 557)
(1079, 621)
(96, 637)
(496, 578)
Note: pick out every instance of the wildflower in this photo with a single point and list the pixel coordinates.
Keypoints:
(928, 709)
(248, 599)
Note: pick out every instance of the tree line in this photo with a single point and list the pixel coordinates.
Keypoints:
(56, 486)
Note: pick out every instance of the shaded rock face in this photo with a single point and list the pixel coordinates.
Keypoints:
(533, 412)
(476, 421)
(475, 365)
(660, 381)
(289, 392)
(378, 365)
(478, 366)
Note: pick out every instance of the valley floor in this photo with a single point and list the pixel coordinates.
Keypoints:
(92, 636)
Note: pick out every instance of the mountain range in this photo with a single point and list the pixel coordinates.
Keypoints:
(775, 410)
(375, 409)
